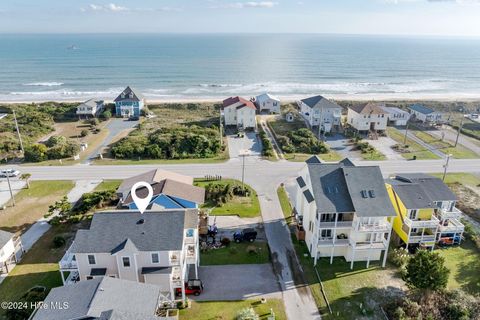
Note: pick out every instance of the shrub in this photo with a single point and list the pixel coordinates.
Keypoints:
(58, 241)
(54, 141)
(83, 133)
(247, 314)
(426, 270)
(106, 114)
(97, 199)
(93, 122)
(399, 257)
(36, 153)
(225, 241)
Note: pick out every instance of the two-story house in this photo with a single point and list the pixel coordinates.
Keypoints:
(345, 211)
(239, 112)
(157, 247)
(425, 208)
(426, 115)
(102, 298)
(90, 108)
(396, 116)
(170, 191)
(129, 103)
(267, 103)
(368, 117)
(319, 111)
(10, 250)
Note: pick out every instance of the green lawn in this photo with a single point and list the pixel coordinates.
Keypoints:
(331, 156)
(458, 152)
(244, 207)
(372, 156)
(237, 253)
(108, 185)
(469, 179)
(32, 204)
(414, 149)
(464, 264)
(39, 266)
(227, 310)
(285, 203)
(352, 293)
(107, 161)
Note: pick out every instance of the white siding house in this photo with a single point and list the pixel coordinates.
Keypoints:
(426, 114)
(267, 103)
(367, 117)
(10, 248)
(90, 108)
(318, 110)
(345, 211)
(396, 116)
(240, 113)
(157, 247)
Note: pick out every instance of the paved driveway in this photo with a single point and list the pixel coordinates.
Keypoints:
(238, 282)
(250, 142)
(115, 127)
(384, 145)
(342, 145)
(16, 184)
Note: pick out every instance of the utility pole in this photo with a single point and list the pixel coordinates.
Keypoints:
(405, 137)
(445, 166)
(10, 188)
(220, 127)
(18, 132)
(458, 132)
(243, 172)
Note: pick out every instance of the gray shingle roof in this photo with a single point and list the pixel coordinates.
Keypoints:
(411, 195)
(320, 101)
(5, 236)
(92, 103)
(421, 108)
(342, 187)
(92, 298)
(314, 159)
(159, 231)
(137, 96)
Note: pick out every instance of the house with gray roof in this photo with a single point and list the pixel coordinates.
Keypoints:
(90, 108)
(129, 103)
(321, 112)
(368, 117)
(345, 211)
(157, 247)
(426, 114)
(10, 251)
(396, 116)
(267, 103)
(101, 298)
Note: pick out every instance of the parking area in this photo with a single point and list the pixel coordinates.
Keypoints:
(16, 184)
(339, 143)
(227, 225)
(238, 282)
(239, 145)
(384, 145)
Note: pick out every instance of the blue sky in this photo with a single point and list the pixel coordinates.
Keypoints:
(406, 17)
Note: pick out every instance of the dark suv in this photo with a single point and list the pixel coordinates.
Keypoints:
(248, 234)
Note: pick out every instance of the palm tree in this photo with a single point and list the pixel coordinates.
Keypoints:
(26, 176)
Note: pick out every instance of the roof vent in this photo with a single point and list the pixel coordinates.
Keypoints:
(336, 190)
(141, 221)
(364, 194)
(372, 193)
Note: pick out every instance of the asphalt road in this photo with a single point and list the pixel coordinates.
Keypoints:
(264, 177)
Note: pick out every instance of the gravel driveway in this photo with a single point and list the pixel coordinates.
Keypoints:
(250, 142)
(384, 145)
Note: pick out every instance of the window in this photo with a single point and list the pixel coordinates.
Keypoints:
(89, 277)
(126, 262)
(155, 257)
(91, 259)
(412, 215)
(326, 233)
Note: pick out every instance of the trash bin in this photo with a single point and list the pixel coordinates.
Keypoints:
(414, 157)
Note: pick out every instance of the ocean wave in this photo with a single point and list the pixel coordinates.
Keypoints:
(44, 84)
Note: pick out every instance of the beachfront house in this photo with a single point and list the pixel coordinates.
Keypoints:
(368, 118)
(319, 111)
(129, 103)
(156, 247)
(101, 298)
(10, 251)
(90, 108)
(426, 114)
(345, 211)
(425, 211)
(396, 116)
(240, 113)
(170, 191)
(267, 103)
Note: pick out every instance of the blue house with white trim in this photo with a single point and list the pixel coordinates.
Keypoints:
(129, 103)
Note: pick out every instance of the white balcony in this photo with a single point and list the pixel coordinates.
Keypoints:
(176, 278)
(374, 227)
(380, 244)
(73, 277)
(451, 225)
(325, 242)
(190, 254)
(447, 214)
(331, 224)
(68, 261)
(421, 239)
(430, 223)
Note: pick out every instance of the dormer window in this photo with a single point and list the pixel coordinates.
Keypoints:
(123, 95)
(131, 95)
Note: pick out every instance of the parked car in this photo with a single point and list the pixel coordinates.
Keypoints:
(193, 286)
(248, 234)
(133, 118)
(9, 173)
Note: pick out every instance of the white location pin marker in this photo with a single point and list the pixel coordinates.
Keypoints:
(141, 203)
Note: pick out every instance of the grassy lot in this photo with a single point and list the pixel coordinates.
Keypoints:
(353, 293)
(108, 185)
(285, 203)
(468, 179)
(244, 207)
(227, 310)
(237, 253)
(281, 127)
(373, 155)
(458, 152)
(39, 266)
(414, 149)
(464, 264)
(32, 204)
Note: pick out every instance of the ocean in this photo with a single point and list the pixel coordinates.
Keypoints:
(204, 67)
